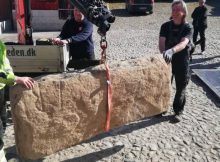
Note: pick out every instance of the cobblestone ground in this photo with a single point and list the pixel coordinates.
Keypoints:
(196, 138)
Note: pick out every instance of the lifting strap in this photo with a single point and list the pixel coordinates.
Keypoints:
(103, 45)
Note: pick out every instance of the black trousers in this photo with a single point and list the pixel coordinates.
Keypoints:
(89, 56)
(82, 62)
(180, 96)
(202, 39)
(3, 112)
(2, 105)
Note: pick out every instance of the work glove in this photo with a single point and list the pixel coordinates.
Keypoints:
(168, 54)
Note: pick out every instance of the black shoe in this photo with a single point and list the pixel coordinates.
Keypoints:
(190, 58)
(202, 52)
(177, 118)
(160, 115)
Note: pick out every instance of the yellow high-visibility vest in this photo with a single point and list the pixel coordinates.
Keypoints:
(7, 76)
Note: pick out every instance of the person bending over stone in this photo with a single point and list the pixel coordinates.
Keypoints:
(77, 33)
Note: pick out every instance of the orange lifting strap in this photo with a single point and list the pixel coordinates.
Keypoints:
(103, 45)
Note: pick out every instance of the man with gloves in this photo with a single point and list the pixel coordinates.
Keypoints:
(174, 43)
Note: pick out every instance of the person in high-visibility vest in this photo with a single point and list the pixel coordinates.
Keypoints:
(7, 77)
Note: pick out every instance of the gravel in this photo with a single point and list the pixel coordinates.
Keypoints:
(196, 138)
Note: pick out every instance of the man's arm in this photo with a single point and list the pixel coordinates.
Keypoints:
(186, 37)
(168, 54)
(204, 14)
(7, 77)
(26, 81)
(163, 36)
(180, 46)
(194, 14)
(162, 44)
(63, 34)
(6, 73)
(83, 35)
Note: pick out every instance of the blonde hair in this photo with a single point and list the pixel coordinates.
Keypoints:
(183, 4)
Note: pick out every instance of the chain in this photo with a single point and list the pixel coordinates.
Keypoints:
(103, 45)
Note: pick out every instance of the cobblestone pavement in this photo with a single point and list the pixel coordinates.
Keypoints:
(195, 139)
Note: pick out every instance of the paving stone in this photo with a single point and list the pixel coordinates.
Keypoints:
(153, 147)
(187, 141)
(177, 139)
(167, 146)
(214, 151)
(155, 159)
(217, 147)
(199, 133)
(130, 155)
(151, 153)
(196, 157)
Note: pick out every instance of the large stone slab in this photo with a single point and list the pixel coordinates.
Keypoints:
(65, 109)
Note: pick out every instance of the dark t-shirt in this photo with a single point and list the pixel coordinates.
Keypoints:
(80, 35)
(173, 34)
(199, 16)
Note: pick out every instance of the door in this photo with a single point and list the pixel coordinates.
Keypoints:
(5, 10)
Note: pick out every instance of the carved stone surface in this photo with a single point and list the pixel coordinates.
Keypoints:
(65, 109)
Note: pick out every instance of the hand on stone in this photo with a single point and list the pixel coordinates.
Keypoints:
(168, 54)
(26, 81)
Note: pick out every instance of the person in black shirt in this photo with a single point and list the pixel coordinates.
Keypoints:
(199, 16)
(174, 40)
(77, 32)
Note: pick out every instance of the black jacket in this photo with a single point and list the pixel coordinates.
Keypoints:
(80, 37)
(199, 16)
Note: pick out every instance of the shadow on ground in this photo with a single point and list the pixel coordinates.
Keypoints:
(12, 156)
(215, 4)
(146, 122)
(199, 63)
(96, 156)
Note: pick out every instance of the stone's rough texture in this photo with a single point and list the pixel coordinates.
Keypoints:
(65, 109)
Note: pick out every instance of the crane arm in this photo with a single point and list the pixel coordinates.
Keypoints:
(96, 12)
